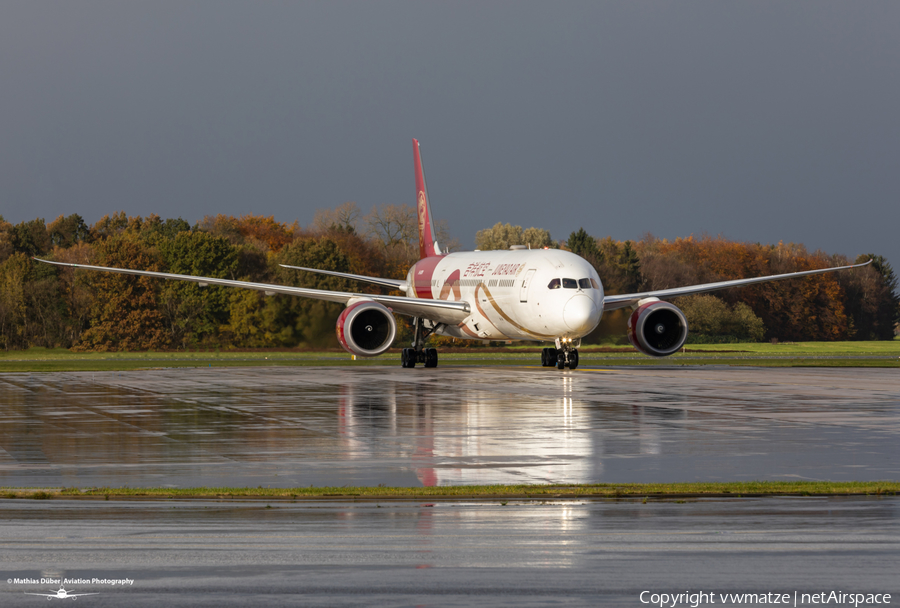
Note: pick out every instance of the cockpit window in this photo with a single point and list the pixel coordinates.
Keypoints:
(554, 284)
(570, 284)
(584, 283)
(594, 283)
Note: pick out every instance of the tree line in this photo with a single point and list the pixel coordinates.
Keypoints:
(50, 306)
(859, 304)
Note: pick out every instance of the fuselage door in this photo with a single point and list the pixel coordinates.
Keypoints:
(526, 283)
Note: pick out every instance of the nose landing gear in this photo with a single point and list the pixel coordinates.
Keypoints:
(564, 355)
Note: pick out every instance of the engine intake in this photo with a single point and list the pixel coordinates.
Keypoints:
(657, 328)
(366, 328)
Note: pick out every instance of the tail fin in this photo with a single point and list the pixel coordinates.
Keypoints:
(428, 245)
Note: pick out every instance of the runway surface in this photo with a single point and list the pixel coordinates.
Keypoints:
(578, 553)
(338, 426)
(453, 425)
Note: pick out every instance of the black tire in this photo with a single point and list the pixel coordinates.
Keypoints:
(573, 359)
(552, 355)
(544, 358)
(408, 357)
(561, 360)
(431, 357)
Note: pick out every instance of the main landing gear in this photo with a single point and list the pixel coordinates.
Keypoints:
(564, 355)
(410, 356)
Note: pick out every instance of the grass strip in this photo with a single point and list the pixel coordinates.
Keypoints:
(604, 490)
(801, 354)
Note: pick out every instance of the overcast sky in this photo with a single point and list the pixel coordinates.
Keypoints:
(760, 121)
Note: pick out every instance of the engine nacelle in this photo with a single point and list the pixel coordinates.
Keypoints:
(366, 328)
(657, 328)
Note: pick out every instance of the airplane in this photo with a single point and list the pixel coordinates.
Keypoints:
(545, 295)
(61, 594)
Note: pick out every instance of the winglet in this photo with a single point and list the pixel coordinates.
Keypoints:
(428, 246)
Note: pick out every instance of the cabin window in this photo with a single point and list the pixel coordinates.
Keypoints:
(570, 284)
(554, 284)
(584, 283)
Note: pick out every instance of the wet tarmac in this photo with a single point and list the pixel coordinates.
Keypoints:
(574, 553)
(345, 426)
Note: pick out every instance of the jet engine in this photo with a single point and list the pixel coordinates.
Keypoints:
(657, 328)
(366, 328)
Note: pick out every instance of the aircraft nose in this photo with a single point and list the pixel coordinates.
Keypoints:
(581, 314)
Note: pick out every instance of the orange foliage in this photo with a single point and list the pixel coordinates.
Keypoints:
(810, 308)
(265, 229)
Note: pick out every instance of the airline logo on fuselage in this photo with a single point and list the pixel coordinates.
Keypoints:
(477, 269)
(507, 269)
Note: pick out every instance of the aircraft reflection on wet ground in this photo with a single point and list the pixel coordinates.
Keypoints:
(291, 427)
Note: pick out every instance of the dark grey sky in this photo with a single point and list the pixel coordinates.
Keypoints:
(762, 121)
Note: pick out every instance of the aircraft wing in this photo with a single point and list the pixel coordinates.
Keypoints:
(391, 283)
(629, 299)
(440, 311)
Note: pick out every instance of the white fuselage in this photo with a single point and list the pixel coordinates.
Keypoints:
(536, 294)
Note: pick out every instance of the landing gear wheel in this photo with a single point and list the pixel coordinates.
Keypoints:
(408, 357)
(431, 357)
(548, 357)
(561, 360)
(573, 359)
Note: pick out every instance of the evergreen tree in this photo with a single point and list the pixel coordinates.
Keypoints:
(583, 244)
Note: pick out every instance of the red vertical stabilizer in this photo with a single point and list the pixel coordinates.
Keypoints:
(427, 241)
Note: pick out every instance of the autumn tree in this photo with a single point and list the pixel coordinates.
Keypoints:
(503, 236)
(109, 225)
(75, 291)
(13, 319)
(225, 226)
(266, 230)
(31, 310)
(124, 312)
(66, 231)
(809, 308)
(6, 244)
(251, 323)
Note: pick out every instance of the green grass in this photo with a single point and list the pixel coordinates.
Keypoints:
(806, 354)
(884, 347)
(607, 490)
